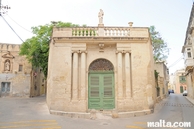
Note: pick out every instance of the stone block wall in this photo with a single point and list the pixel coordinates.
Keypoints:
(16, 73)
(69, 61)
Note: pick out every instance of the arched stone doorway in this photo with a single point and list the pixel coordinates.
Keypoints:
(101, 87)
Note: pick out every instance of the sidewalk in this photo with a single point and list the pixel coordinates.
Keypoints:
(190, 99)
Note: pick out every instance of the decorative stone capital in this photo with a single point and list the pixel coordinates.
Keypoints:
(122, 51)
(84, 52)
(75, 51)
(126, 51)
(118, 52)
(79, 51)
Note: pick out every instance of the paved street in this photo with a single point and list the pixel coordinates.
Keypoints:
(32, 113)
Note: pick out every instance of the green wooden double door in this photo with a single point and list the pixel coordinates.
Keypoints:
(101, 91)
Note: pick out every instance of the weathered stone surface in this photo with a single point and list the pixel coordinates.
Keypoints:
(132, 60)
(17, 74)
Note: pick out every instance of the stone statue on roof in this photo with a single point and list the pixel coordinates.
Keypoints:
(100, 16)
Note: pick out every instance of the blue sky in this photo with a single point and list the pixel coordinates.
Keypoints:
(170, 17)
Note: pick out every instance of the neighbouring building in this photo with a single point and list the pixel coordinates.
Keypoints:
(17, 78)
(188, 50)
(101, 68)
(14, 72)
(171, 85)
(180, 81)
(162, 79)
(38, 82)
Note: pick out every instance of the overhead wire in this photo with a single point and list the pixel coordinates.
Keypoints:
(10, 25)
(18, 24)
(176, 62)
(11, 28)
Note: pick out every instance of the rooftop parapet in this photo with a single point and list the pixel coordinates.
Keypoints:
(9, 47)
(101, 32)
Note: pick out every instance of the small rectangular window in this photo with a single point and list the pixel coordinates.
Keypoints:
(20, 68)
(167, 71)
(5, 86)
(188, 49)
(189, 54)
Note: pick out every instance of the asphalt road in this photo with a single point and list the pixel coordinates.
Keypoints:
(32, 113)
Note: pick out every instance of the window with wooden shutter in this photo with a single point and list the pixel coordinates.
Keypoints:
(108, 86)
(94, 92)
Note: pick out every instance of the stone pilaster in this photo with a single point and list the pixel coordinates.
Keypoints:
(75, 76)
(127, 75)
(83, 75)
(119, 75)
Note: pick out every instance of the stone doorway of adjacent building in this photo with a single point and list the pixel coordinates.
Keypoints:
(5, 89)
(101, 89)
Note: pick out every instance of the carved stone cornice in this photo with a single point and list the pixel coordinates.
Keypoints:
(99, 39)
(8, 55)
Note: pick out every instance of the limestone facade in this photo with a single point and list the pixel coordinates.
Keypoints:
(172, 83)
(14, 72)
(188, 50)
(180, 81)
(38, 82)
(163, 79)
(81, 59)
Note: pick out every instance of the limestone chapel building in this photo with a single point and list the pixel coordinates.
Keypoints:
(101, 68)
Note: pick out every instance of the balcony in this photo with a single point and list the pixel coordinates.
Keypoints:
(182, 79)
(189, 63)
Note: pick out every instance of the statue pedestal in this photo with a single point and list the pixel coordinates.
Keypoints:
(100, 25)
(101, 31)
